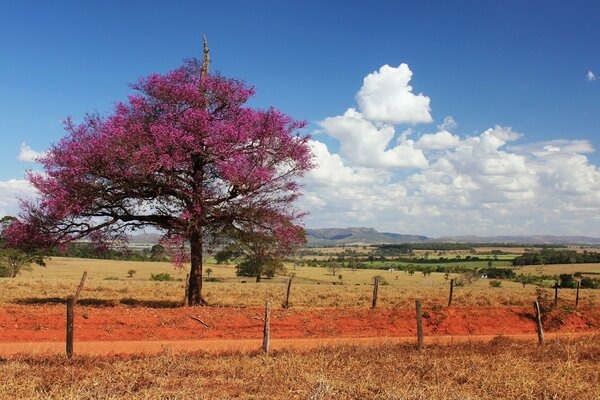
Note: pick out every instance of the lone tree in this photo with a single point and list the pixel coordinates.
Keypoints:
(184, 155)
(258, 252)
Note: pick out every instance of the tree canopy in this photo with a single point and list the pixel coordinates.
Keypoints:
(184, 155)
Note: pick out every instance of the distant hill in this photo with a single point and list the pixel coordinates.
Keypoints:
(339, 236)
(523, 239)
(145, 238)
(343, 236)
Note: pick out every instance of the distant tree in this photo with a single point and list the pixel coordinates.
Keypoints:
(209, 272)
(130, 273)
(157, 252)
(259, 253)
(567, 281)
(14, 261)
(333, 267)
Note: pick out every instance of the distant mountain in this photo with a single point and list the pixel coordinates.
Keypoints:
(145, 238)
(339, 236)
(523, 239)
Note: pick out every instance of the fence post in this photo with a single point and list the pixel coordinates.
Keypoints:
(577, 295)
(419, 325)
(70, 318)
(538, 323)
(375, 293)
(266, 329)
(451, 292)
(555, 294)
(286, 303)
(80, 286)
(184, 303)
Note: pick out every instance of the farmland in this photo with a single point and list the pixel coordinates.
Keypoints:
(130, 326)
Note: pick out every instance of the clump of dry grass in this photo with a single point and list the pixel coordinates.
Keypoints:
(502, 369)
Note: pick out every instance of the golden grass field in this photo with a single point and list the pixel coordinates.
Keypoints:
(501, 369)
(312, 287)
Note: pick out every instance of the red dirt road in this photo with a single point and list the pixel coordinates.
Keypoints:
(116, 329)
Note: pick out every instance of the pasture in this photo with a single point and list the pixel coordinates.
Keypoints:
(313, 287)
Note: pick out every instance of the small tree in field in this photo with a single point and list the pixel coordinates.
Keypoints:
(258, 253)
(184, 155)
(333, 267)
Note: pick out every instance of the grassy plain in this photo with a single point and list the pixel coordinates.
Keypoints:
(313, 287)
(502, 369)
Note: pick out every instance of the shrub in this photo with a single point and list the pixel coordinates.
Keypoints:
(165, 277)
(111, 278)
(131, 273)
(495, 284)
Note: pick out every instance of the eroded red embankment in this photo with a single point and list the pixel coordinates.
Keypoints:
(47, 323)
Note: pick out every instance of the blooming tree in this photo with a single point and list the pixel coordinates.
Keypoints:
(184, 155)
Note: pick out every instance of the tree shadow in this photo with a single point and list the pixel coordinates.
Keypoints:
(92, 302)
(62, 300)
(128, 301)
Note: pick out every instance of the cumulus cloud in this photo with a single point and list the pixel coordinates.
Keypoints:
(386, 96)
(448, 124)
(27, 154)
(591, 76)
(10, 192)
(446, 183)
(438, 141)
(366, 145)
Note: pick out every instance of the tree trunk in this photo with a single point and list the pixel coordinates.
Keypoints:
(258, 278)
(194, 293)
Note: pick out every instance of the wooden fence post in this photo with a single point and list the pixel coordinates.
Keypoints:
(538, 323)
(555, 294)
(286, 304)
(375, 293)
(184, 303)
(70, 318)
(451, 292)
(577, 295)
(419, 325)
(267, 329)
(80, 286)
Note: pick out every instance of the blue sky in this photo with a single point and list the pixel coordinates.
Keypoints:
(510, 63)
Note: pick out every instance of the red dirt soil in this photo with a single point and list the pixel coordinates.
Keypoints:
(46, 323)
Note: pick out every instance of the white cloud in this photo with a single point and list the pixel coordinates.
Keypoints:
(365, 145)
(10, 192)
(591, 76)
(26, 153)
(448, 124)
(438, 141)
(445, 183)
(386, 96)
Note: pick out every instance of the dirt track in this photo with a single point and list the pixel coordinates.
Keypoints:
(101, 330)
(240, 345)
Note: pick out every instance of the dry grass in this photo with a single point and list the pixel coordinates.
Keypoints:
(233, 294)
(313, 287)
(502, 369)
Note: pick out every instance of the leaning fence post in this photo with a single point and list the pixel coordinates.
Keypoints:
(577, 295)
(555, 294)
(538, 323)
(451, 292)
(286, 304)
(80, 286)
(70, 317)
(419, 325)
(266, 329)
(375, 293)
